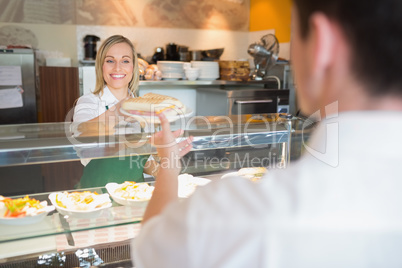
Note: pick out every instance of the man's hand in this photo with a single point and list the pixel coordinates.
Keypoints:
(165, 142)
(170, 152)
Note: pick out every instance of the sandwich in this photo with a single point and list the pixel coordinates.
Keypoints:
(152, 104)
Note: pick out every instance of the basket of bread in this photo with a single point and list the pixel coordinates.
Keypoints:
(234, 70)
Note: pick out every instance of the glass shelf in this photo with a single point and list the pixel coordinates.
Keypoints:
(55, 142)
(52, 224)
(227, 136)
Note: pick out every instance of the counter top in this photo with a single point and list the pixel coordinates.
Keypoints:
(208, 83)
(53, 142)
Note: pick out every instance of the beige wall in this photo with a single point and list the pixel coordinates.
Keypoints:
(52, 40)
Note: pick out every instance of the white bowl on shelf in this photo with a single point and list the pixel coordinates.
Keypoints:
(26, 219)
(192, 70)
(81, 214)
(111, 188)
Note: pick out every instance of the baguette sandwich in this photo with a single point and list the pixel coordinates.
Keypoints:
(152, 104)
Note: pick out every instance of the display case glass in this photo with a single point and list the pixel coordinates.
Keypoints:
(220, 144)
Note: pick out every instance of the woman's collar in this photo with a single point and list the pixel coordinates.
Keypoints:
(108, 96)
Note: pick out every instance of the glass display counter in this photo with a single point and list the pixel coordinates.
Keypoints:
(217, 138)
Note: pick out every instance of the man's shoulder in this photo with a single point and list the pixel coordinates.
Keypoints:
(239, 197)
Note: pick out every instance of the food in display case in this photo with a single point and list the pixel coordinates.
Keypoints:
(50, 228)
(188, 184)
(84, 204)
(250, 173)
(130, 193)
(23, 210)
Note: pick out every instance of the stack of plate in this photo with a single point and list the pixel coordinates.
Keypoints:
(171, 70)
(209, 70)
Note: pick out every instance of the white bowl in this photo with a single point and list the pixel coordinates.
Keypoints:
(192, 74)
(112, 186)
(82, 214)
(27, 219)
(192, 69)
(188, 184)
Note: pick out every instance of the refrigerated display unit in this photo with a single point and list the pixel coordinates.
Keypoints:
(18, 100)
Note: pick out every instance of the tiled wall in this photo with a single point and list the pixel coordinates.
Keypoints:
(188, 14)
(57, 27)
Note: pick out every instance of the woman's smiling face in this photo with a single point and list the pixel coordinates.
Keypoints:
(118, 67)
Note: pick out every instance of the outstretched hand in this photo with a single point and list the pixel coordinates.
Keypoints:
(168, 149)
(170, 152)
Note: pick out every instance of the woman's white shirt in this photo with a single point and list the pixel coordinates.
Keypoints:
(90, 106)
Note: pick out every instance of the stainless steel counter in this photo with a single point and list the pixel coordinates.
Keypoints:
(206, 83)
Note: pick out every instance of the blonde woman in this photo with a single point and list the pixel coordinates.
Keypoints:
(117, 79)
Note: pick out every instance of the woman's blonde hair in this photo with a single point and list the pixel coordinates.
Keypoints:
(100, 59)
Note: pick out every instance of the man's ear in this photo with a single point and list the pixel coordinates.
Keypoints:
(322, 42)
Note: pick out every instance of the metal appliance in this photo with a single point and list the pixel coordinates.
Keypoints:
(15, 61)
(172, 52)
(158, 55)
(252, 97)
(239, 100)
(265, 54)
(90, 42)
(258, 101)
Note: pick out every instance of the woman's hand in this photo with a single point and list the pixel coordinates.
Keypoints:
(104, 124)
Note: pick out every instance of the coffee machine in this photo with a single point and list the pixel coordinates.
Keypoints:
(90, 42)
(172, 52)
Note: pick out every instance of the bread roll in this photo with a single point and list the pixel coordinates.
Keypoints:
(152, 104)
